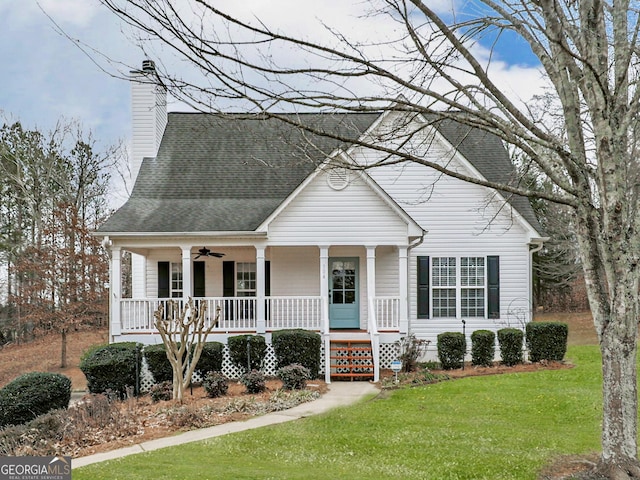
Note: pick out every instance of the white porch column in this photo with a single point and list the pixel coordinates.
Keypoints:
(403, 287)
(371, 285)
(187, 289)
(138, 275)
(115, 287)
(261, 321)
(324, 295)
(324, 285)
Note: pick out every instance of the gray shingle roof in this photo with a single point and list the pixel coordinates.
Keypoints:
(229, 172)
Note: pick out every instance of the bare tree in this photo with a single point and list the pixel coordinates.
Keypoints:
(588, 52)
(184, 329)
(53, 196)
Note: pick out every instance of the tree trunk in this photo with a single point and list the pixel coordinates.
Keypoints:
(63, 354)
(618, 345)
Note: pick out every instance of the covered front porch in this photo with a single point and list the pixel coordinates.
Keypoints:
(357, 292)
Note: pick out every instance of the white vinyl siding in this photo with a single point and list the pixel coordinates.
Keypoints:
(461, 220)
(352, 216)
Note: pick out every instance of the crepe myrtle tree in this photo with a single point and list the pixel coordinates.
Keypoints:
(430, 65)
(184, 330)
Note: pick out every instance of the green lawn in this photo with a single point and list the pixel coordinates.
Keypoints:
(500, 427)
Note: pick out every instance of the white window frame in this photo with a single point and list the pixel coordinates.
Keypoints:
(246, 284)
(176, 280)
(444, 283)
(459, 275)
(473, 278)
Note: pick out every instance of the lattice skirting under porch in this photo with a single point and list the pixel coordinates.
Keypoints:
(387, 355)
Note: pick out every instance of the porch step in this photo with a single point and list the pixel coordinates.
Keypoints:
(351, 359)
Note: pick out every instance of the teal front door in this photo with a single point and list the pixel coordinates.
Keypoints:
(344, 303)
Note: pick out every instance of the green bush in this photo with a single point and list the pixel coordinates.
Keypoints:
(158, 363)
(112, 367)
(33, 394)
(510, 341)
(483, 347)
(215, 384)
(451, 349)
(254, 381)
(162, 391)
(160, 367)
(298, 346)
(547, 340)
(294, 376)
(238, 351)
(210, 358)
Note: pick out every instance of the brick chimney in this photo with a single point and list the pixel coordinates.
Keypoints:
(148, 114)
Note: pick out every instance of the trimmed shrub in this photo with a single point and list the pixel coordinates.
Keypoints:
(483, 347)
(33, 394)
(112, 367)
(162, 391)
(298, 346)
(210, 358)
(238, 351)
(547, 340)
(254, 381)
(158, 363)
(215, 384)
(510, 341)
(451, 349)
(294, 376)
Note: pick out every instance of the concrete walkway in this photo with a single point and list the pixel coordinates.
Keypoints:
(340, 393)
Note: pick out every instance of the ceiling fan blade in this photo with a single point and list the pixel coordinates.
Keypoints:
(199, 255)
(216, 254)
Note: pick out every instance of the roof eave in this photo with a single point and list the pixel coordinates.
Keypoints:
(236, 234)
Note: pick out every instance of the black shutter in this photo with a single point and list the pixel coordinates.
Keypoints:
(493, 281)
(228, 288)
(267, 278)
(423, 287)
(163, 279)
(198, 279)
(228, 279)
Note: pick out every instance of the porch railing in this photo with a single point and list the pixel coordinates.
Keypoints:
(236, 313)
(294, 312)
(387, 311)
(239, 313)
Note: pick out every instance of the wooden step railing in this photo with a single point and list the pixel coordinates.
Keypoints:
(351, 360)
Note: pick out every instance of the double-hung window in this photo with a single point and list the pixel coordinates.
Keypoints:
(472, 281)
(458, 287)
(245, 279)
(444, 286)
(176, 280)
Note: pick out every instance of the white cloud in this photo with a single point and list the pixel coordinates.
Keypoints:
(64, 12)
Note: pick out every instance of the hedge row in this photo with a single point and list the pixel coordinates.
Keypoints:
(116, 367)
(545, 341)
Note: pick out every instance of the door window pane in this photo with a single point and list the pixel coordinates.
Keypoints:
(343, 282)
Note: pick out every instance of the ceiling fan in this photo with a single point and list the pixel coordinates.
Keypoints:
(205, 252)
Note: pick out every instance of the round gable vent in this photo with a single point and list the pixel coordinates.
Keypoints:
(338, 178)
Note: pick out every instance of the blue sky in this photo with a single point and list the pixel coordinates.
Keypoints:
(46, 77)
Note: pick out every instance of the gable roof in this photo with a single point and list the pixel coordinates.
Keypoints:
(229, 172)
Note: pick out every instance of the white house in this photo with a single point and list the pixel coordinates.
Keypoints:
(253, 215)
